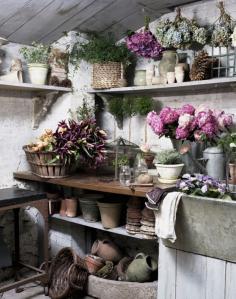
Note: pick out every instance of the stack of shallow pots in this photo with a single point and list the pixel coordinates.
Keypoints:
(147, 228)
(134, 215)
(89, 206)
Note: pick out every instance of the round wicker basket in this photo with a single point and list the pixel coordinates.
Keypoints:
(107, 75)
(41, 164)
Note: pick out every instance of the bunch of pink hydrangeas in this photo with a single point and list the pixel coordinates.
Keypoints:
(188, 123)
(144, 44)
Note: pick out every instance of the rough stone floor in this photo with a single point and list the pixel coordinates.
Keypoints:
(31, 291)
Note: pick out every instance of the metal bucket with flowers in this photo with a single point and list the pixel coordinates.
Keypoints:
(56, 154)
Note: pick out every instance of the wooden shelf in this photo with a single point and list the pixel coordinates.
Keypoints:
(208, 86)
(98, 225)
(86, 182)
(9, 86)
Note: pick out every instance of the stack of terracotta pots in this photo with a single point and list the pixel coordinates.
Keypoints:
(147, 228)
(134, 215)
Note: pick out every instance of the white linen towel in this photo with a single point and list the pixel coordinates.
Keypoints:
(165, 217)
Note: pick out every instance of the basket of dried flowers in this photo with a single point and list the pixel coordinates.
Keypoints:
(55, 155)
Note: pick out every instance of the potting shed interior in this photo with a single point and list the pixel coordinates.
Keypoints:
(118, 165)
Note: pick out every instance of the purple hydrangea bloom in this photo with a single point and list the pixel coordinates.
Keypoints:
(186, 109)
(168, 115)
(181, 133)
(155, 123)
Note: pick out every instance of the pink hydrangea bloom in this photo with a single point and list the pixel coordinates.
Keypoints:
(225, 121)
(168, 115)
(186, 109)
(210, 129)
(181, 133)
(155, 123)
(185, 120)
(205, 117)
(198, 135)
(202, 108)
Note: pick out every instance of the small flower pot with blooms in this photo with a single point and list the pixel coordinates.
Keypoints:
(169, 166)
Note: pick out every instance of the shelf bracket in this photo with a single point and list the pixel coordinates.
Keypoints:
(42, 104)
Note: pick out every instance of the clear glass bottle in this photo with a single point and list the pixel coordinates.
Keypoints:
(125, 175)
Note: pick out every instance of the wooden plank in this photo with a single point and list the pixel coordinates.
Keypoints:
(76, 20)
(166, 272)
(230, 285)
(8, 9)
(215, 280)
(211, 85)
(24, 14)
(191, 276)
(48, 19)
(98, 225)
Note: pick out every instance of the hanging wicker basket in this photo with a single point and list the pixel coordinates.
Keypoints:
(41, 164)
(107, 75)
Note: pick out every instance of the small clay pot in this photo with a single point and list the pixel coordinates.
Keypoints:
(110, 213)
(63, 208)
(149, 158)
(71, 207)
(93, 263)
(89, 207)
(107, 250)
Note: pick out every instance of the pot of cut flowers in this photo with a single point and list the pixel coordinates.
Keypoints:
(56, 154)
(168, 166)
(37, 62)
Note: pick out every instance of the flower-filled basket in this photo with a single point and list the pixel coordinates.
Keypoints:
(56, 155)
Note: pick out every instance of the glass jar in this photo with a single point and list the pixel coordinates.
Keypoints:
(125, 175)
(140, 78)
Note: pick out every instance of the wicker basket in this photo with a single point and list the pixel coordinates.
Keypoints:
(42, 166)
(107, 75)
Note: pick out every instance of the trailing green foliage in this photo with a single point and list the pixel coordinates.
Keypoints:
(168, 157)
(100, 49)
(38, 53)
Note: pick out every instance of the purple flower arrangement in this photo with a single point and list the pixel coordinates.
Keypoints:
(203, 185)
(80, 140)
(188, 123)
(144, 44)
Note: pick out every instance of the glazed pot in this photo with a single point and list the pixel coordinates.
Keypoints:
(168, 62)
(106, 250)
(110, 213)
(141, 268)
(93, 263)
(232, 172)
(38, 73)
(169, 173)
(140, 78)
(71, 207)
(89, 207)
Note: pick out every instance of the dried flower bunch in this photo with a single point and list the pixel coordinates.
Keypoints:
(38, 53)
(222, 29)
(188, 123)
(73, 141)
(181, 33)
(203, 185)
(144, 43)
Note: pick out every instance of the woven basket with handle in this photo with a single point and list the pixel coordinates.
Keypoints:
(41, 164)
(107, 75)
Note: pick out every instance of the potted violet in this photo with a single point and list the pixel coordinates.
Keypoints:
(169, 166)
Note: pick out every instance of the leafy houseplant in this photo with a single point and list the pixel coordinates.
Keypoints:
(169, 166)
(37, 61)
(107, 57)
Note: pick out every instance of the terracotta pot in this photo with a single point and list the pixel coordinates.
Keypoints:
(93, 263)
(232, 172)
(107, 250)
(63, 208)
(110, 214)
(141, 268)
(149, 158)
(89, 207)
(71, 207)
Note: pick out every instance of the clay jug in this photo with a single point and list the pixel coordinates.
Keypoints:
(107, 250)
(168, 62)
(141, 268)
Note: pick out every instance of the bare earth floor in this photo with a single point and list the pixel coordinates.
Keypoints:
(31, 291)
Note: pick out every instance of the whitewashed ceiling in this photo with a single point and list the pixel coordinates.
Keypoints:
(24, 21)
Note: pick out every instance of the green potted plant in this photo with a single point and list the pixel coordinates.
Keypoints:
(169, 166)
(107, 57)
(37, 62)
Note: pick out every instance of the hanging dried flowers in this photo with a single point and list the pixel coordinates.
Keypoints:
(144, 43)
(222, 29)
(181, 33)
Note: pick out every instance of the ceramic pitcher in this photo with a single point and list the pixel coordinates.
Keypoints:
(168, 62)
(141, 268)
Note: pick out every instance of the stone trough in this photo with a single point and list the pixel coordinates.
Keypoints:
(111, 289)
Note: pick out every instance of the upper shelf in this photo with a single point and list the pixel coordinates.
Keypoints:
(208, 86)
(10, 86)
